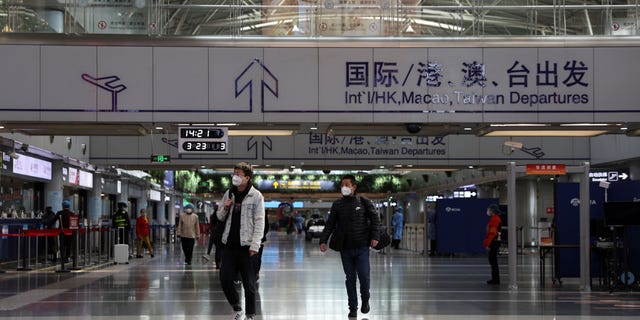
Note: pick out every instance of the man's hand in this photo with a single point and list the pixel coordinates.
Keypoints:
(323, 247)
(227, 204)
(374, 243)
(252, 253)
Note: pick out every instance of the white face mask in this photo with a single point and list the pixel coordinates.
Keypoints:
(346, 191)
(188, 210)
(488, 213)
(236, 180)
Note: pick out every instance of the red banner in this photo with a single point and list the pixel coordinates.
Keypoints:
(551, 169)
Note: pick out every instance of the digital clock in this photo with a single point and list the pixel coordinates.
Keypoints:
(194, 139)
(204, 146)
(202, 133)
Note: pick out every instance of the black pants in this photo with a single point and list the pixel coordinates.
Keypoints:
(493, 260)
(395, 243)
(257, 261)
(236, 260)
(187, 248)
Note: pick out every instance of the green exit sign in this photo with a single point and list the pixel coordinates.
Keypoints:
(159, 158)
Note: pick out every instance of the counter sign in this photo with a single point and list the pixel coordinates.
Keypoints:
(203, 140)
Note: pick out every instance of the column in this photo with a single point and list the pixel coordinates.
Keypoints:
(94, 210)
(53, 189)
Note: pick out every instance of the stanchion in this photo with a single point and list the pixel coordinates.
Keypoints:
(24, 256)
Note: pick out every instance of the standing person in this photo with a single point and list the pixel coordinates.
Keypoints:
(243, 211)
(354, 227)
(299, 222)
(213, 222)
(432, 232)
(67, 241)
(492, 241)
(49, 220)
(188, 231)
(142, 232)
(121, 220)
(397, 222)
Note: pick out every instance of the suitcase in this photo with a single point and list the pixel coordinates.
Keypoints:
(121, 253)
(120, 250)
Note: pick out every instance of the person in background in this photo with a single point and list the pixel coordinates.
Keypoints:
(67, 241)
(354, 220)
(142, 232)
(121, 220)
(397, 223)
(49, 220)
(299, 222)
(188, 231)
(492, 241)
(432, 232)
(243, 210)
(213, 222)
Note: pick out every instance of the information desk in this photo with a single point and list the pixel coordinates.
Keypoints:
(544, 250)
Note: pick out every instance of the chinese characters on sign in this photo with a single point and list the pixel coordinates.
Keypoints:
(421, 146)
(552, 169)
(389, 83)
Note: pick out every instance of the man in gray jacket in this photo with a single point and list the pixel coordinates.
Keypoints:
(355, 227)
(244, 217)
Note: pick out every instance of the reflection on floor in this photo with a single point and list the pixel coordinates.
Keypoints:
(299, 282)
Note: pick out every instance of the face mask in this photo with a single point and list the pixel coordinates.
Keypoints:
(236, 180)
(188, 210)
(346, 191)
(488, 213)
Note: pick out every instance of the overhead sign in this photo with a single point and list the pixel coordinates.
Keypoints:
(203, 140)
(609, 176)
(32, 167)
(551, 169)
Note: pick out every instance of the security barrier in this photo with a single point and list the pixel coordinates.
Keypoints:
(413, 237)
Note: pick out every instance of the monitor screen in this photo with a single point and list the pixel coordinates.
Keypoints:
(622, 213)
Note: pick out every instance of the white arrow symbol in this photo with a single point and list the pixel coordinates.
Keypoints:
(623, 176)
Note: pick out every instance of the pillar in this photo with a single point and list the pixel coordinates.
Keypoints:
(94, 210)
(53, 189)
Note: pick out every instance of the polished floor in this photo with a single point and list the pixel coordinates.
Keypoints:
(297, 281)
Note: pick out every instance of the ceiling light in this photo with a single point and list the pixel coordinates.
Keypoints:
(624, 128)
(518, 125)
(545, 133)
(260, 132)
(159, 128)
(227, 124)
(313, 128)
(1, 127)
(470, 167)
(397, 165)
(584, 124)
(467, 129)
(381, 167)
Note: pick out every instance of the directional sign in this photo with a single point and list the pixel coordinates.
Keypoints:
(203, 140)
(609, 175)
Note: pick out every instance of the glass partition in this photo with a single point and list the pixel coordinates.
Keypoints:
(323, 18)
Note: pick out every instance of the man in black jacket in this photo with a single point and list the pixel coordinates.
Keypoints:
(354, 225)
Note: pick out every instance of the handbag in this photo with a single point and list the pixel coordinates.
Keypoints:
(218, 229)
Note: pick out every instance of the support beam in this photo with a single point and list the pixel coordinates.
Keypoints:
(585, 250)
(511, 215)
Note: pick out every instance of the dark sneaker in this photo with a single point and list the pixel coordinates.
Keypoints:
(365, 307)
(493, 281)
(353, 313)
(139, 256)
